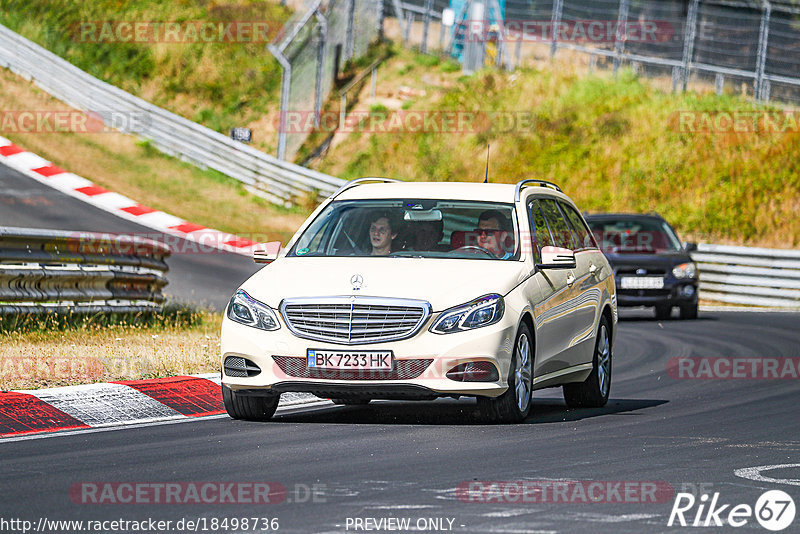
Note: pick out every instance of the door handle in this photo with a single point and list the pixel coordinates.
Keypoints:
(570, 280)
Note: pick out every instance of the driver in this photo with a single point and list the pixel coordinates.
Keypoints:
(488, 237)
(381, 233)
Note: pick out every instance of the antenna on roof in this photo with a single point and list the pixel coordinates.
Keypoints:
(486, 176)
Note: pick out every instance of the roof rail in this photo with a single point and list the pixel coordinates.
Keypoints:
(360, 181)
(540, 183)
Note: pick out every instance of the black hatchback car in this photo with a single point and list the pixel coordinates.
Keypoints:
(651, 266)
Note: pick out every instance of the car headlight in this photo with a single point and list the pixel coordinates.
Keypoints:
(244, 309)
(482, 311)
(685, 270)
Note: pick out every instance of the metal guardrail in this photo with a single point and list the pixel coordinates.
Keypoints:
(79, 272)
(746, 275)
(278, 180)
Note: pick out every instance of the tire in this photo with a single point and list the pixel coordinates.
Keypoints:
(663, 312)
(689, 311)
(249, 408)
(351, 402)
(593, 392)
(514, 405)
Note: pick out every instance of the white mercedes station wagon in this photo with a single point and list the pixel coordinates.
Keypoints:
(413, 291)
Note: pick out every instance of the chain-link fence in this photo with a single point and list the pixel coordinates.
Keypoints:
(750, 47)
(312, 49)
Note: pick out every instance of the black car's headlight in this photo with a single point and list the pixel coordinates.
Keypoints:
(482, 311)
(244, 309)
(685, 270)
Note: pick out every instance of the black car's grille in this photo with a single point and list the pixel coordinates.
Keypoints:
(403, 370)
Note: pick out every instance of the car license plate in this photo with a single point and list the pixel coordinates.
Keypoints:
(343, 359)
(641, 282)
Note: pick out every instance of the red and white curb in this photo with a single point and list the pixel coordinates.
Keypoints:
(75, 186)
(117, 404)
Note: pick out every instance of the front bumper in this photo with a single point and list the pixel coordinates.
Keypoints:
(673, 294)
(270, 350)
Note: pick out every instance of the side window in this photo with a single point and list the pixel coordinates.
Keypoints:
(541, 233)
(578, 226)
(562, 234)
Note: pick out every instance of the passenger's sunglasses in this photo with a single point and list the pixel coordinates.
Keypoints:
(483, 232)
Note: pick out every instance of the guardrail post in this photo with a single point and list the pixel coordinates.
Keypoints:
(690, 34)
(719, 83)
(621, 35)
(763, 40)
(558, 6)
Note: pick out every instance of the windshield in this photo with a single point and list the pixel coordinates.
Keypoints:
(426, 228)
(647, 236)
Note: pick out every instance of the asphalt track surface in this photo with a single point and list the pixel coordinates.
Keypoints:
(207, 279)
(405, 460)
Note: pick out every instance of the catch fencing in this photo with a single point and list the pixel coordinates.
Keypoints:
(312, 49)
(79, 272)
(280, 181)
(746, 275)
(747, 47)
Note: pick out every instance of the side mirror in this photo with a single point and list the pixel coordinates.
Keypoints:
(557, 258)
(690, 247)
(268, 253)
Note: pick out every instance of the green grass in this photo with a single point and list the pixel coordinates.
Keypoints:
(220, 85)
(613, 144)
(172, 316)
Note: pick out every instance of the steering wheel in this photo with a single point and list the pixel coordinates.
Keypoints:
(475, 248)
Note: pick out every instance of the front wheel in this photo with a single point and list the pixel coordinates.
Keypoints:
(689, 311)
(514, 405)
(593, 392)
(249, 408)
(663, 312)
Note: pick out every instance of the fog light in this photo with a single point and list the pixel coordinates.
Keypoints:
(473, 372)
(687, 291)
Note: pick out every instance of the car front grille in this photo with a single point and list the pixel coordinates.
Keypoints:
(354, 320)
(403, 370)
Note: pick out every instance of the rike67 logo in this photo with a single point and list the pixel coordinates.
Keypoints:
(774, 510)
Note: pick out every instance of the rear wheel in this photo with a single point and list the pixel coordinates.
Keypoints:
(593, 392)
(689, 311)
(663, 311)
(514, 405)
(247, 407)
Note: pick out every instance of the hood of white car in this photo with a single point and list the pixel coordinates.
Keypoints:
(442, 282)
